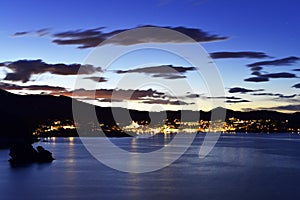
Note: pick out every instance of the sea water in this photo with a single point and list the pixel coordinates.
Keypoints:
(252, 166)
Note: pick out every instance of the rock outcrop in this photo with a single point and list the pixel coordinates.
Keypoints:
(26, 154)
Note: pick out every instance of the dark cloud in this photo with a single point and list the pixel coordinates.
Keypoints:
(166, 102)
(228, 98)
(8, 86)
(168, 76)
(40, 32)
(297, 70)
(257, 79)
(23, 33)
(296, 85)
(45, 88)
(197, 34)
(43, 32)
(97, 79)
(193, 96)
(265, 94)
(279, 62)
(81, 42)
(243, 90)
(287, 96)
(23, 69)
(292, 107)
(80, 33)
(163, 71)
(275, 95)
(237, 101)
(240, 54)
(256, 73)
(93, 37)
(175, 77)
(248, 109)
(233, 98)
(265, 77)
(279, 75)
(110, 100)
(118, 94)
(83, 38)
(109, 95)
(256, 68)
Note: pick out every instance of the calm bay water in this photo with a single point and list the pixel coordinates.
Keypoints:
(239, 167)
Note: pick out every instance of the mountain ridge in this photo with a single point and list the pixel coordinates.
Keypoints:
(21, 114)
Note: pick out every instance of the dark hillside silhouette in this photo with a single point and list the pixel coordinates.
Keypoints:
(21, 114)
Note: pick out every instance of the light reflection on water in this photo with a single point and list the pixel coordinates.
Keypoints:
(239, 167)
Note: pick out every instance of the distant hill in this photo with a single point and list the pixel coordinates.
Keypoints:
(21, 114)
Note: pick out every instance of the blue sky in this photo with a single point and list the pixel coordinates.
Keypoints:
(269, 27)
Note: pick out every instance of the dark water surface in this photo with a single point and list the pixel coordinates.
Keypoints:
(239, 167)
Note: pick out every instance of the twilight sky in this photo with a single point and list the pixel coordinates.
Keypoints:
(254, 45)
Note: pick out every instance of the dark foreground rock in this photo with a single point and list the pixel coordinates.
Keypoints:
(26, 154)
(23, 154)
(44, 155)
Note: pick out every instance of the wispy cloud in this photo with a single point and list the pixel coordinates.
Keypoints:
(43, 88)
(166, 102)
(118, 94)
(39, 32)
(109, 100)
(239, 54)
(275, 95)
(163, 71)
(96, 79)
(224, 97)
(168, 76)
(259, 77)
(243, 90)
(22, 33)
(230, 99)
(237, 101)
(87, 38)
(278, 62)
(43, 32)
(287, 96)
